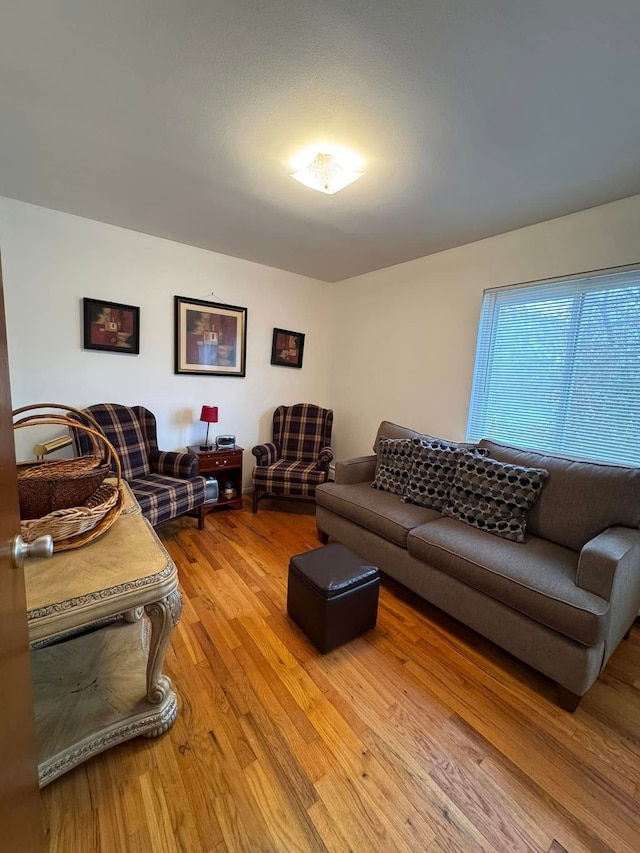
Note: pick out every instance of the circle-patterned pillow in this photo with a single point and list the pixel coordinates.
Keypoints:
(394, 463)
(494, 496)
(432, 471)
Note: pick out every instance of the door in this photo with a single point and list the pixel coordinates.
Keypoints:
(20, 818)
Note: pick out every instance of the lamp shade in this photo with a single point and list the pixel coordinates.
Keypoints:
(327, 167)
(209, 414)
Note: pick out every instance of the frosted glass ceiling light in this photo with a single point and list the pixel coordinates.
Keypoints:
(327, 168)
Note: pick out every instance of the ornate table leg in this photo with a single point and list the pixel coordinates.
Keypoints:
(164, 616)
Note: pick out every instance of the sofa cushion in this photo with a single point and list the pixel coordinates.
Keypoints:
(433, 467)
(380, 512)
(387, 429)
(394, 463)
(162, 498)
(286, 477)
(580, 499)
(493, 496)
(537, 577)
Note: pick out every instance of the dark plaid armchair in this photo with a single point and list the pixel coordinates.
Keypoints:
(165, 484)
(297, 460)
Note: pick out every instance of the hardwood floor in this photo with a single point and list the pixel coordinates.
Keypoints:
(419, 735)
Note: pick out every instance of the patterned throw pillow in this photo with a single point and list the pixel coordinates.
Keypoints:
(394, 463)
(494, 496)
(434, 466)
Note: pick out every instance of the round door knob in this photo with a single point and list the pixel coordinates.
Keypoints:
(40, 547)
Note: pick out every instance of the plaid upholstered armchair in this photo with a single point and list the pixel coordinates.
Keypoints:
(297, 460)
(164, 484)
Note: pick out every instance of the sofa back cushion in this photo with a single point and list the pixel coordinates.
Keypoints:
(387, 429)
(580, 499)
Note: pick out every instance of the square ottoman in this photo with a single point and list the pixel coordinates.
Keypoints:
(332, 595)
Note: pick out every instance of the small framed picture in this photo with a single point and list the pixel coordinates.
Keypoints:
(110, 326)
(210, 338)
(287, 348)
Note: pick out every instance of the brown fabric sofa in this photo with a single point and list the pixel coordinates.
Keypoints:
(561, 601)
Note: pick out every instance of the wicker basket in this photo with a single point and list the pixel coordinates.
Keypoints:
(44, 491)
(71, 527)
(44, 487)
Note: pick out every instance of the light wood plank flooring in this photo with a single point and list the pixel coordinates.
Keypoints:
(418, 736)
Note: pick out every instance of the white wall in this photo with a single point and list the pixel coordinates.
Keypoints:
(51, 260)
(396, 344)
(404, 337)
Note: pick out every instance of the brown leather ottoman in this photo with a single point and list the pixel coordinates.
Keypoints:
(332, 595)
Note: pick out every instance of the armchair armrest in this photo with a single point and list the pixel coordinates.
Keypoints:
(325, 458)
(360, 469)
(616, 550)
(181, 465)
(266, 454)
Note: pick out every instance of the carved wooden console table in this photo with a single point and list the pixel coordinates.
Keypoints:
(96, 660)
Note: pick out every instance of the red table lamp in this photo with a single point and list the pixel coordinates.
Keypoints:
(209, 415)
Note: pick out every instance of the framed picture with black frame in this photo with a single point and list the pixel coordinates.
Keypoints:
(210, 338)
(287, 348)
(110, 326)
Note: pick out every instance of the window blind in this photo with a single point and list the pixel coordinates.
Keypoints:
(558, 367)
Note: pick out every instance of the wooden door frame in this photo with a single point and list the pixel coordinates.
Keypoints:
(20, 813)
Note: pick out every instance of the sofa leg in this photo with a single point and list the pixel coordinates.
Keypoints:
(567, 700)
(627, 635)
(254, 502)
(201, 515)
(322, 536)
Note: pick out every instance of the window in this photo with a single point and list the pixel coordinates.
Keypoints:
(558, 367)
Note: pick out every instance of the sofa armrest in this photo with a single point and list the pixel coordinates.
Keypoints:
(266, 454)
(181, 465)
(617, 549)
(360, 469)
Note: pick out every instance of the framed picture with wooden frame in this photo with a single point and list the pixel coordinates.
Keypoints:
(287, 348)
(210, 338)
(110, 326)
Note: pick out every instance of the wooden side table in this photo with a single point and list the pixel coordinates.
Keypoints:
(226, 466)
(100, 620)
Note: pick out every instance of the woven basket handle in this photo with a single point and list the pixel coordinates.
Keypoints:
(94, 434)
(33, 419)
(82, 414)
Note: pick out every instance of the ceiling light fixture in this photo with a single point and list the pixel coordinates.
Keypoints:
(327, 168)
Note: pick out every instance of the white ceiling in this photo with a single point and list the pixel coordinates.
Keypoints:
(178, 117)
